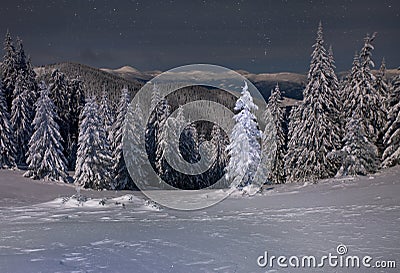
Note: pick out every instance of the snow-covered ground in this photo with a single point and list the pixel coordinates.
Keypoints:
(121, 232)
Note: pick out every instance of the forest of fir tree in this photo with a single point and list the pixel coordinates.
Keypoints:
(63, 130)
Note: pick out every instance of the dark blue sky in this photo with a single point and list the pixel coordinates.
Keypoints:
(258, 36)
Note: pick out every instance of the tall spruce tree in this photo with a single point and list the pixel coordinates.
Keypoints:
(274, 108)
(106, 113)
(21, 117)
(293, 141)
(24, 68)
(244, 149)
(368, 104)
(336, 101)
(316, 131)
(154, 132)
(77, 102)
(153, 127)
(171, 138)
(134, 156)
(45, 156)
(122, 180)
(93, 163)
(9, 66)
(59, 94)
(7, 145)
(351, 89)
(162, 113)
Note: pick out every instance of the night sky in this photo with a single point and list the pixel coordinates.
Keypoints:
(257, 36)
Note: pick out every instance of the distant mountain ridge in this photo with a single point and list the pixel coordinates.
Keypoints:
(291, 83)
(96, 79)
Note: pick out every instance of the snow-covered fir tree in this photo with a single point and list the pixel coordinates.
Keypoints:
(244, 148)
(366, 100)
(220, 142)
(189, 144)
(359, 155)
(293, 141)
(153, 126)
(77, 102)
(21, 117)
(391, 140)
(59, 94)
(9, 66)
(315, 132)
(171, 138)
(45, 156)
(31, 79)
(93, 163)
(25, 70)
(20, 55)
(155, 97)
(274, 109)
(7, 145)
(351, 90)
(381, 85)
(154, 131)
(122, 180)
(333, 80)
(135, 156)
(394, 94)
(106, 113)
(335, 98)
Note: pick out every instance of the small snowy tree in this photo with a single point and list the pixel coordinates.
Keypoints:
(244, 148)
(21, 117)
(359, 155)
(45, 156)
(93, 163)
(122, 179)
(7, 145)
(276, 135)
